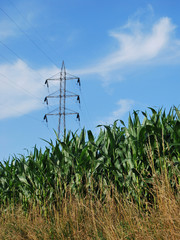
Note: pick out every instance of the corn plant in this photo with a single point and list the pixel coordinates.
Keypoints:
(125, 157)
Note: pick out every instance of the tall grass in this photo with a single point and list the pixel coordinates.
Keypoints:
(90, 218)
(124, 184)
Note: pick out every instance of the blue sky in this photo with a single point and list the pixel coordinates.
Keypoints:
(127, 54)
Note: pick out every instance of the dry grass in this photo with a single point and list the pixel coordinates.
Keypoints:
(88, 218)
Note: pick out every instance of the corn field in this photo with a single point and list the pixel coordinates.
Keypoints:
(122, 158)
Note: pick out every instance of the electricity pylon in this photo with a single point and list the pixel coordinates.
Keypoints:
(62, 94)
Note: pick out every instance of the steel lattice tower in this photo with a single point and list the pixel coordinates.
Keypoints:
(62, 94)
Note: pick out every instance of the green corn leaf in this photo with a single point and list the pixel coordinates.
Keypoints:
(23, 180)
(90, 136)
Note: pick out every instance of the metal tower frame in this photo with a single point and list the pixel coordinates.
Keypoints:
(62, 111)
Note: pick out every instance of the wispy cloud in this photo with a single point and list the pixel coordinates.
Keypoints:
(21, 88)
(7, 29)
(13, 23)
(123, 107)
(139, 45)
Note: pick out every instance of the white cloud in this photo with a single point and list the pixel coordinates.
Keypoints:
(138, 46)
(22, 89)
(13, 23)
(124, 106)
(7, 29)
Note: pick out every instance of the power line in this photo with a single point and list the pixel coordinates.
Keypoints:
(10, 49)
(18, 86)
(5, 58)
(22, 89)
(20, 112)
(27, 115)
(87, 112)
(28, 37)
(13, 52)
(25, 90)
(37, 33)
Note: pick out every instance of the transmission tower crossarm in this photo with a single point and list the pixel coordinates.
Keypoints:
(71, 78)
(57, 79)
(52, 79)
(75, 95)
(63, 94)
(49, 96)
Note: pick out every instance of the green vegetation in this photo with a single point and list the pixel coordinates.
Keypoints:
(130, 170)
(89, 218)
